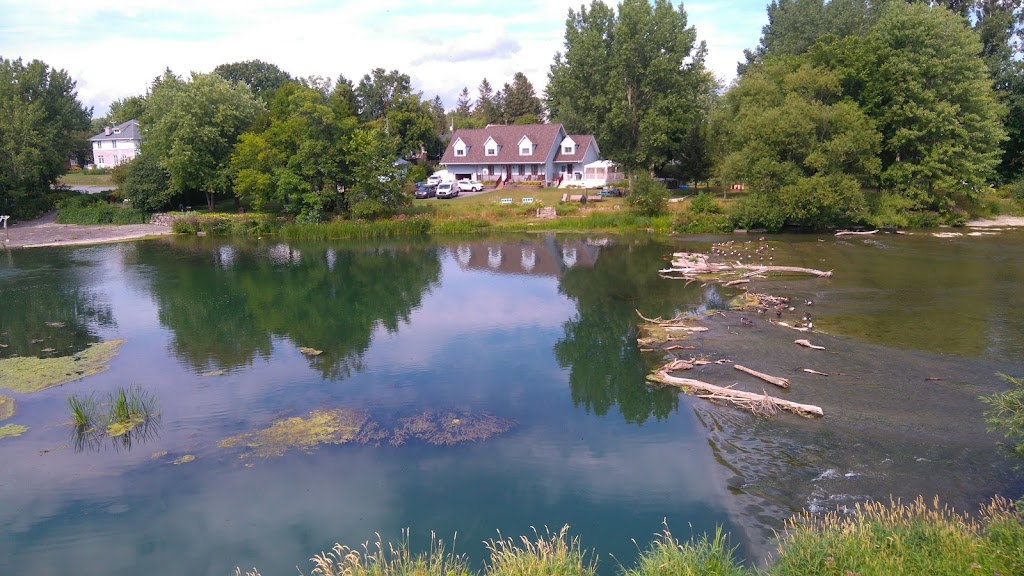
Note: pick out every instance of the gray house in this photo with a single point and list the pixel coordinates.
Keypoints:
(116, 144)
(534, 152)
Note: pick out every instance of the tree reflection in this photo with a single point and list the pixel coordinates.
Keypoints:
(47, 305)
(225, 304)
(599, 347)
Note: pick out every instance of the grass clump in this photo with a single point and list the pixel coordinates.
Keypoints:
(1006, 414)
(128, 409)
(358, 229)
(251, 225)
(336, 426)
(545, 555)
(904, 539)
(390, 560)
(12, 431)
(83, 410)
(6, 407)
(699, 557)
(29, 374)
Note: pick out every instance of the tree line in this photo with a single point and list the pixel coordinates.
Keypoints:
(847, 111)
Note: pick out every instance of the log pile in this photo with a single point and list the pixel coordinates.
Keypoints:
(691, 266)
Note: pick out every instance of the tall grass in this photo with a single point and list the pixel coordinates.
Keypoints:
(877, 540)
(390, 560)
(913, 538)
(698, 557)
(357, 229)
(83, 410)
(544, 555)
(130, 405)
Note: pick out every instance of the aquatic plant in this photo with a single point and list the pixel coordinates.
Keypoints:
(12, 431)
(1006, 415)
(700, 556)
(450, 428)
(83, 410)
(389, 560)
(544, 555)
(128, 409)
(336, 426)
(29, 374)
(6, 407)
(184, 459)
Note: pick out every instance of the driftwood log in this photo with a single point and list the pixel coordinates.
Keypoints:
(807, 344)
(780, 382)
(854, 233)
(759, 403)
(694, 266)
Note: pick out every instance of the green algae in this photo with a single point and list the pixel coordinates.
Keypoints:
(6, 408)
(336, 426)
(29, 374)
(184, 459)
(12, 431)
(449, 428)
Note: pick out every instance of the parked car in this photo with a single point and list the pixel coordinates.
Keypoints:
(611, 192)
(424, 190)
(467, 185)
(447, 190)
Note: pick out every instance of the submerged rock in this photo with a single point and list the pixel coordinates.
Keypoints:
(30, 374)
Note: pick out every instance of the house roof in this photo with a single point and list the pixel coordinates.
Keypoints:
(126, 131)
(583, 141)
(543, 136)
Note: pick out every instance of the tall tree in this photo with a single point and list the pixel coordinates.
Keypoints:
(125, 109)
(918, 73)
(377, 187)
(261, 77)
(633, 78)
(41, 123)
(520, 103)
(299, 159)
(464, 106)
(379, 90)
(192, 128)
(487, 109)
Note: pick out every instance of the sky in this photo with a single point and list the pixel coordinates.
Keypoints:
(115, 49)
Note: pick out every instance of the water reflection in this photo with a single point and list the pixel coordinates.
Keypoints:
(225, 303)
(552, 256)
(49, 303)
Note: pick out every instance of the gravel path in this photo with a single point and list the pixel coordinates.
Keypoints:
(46, 232)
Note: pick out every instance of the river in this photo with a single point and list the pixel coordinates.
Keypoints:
(525, 346)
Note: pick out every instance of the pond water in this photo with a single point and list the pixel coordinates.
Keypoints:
(535, 332)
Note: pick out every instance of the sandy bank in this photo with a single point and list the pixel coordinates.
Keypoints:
(46, 232)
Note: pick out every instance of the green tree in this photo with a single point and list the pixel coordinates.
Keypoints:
(919, 75)
(261, 77)
(42, 122)
(464, 106)
(378, 92)
(377, 185)
(125, 109)
(192, 128)
(635, 79)
(804, 151)
(487, 108)
(647, 196)
(520, 104)
(145, 183)
(299, 160)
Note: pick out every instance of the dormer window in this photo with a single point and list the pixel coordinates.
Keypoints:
(460, 151)
(526, 151)
(567, 149)
(459, 147)
(525, 147)
(568, 146)
(490, 147)
(492, 151)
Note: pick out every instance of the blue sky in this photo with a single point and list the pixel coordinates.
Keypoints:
(115, 50)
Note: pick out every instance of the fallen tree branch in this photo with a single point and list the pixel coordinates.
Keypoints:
(807, 344)
(761, 403)
(780, 382)
(852, 233)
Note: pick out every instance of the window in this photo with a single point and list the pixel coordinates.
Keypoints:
(99, 160)
(490, 169)
(460, 151)
(492, 151)
(526, 151)
(533, 169)
(522, 170)
(567, 149)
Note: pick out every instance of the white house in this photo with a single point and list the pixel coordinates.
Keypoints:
(534, 152)
(116, 144)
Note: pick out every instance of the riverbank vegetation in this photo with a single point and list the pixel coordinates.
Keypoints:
(875, 540)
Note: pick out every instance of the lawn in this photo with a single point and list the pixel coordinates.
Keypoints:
(83, 178)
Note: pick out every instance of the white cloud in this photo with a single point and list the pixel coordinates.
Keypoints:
(117, 49)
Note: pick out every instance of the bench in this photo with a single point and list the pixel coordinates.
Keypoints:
(505, 201)
(527, 201)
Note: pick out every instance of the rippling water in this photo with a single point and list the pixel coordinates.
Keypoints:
(536, 329)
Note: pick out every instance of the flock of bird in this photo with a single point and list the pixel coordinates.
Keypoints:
(741, 251)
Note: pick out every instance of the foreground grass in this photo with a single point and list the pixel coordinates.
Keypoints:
(877, 540)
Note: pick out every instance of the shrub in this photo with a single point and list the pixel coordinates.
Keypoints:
(757, 210)
(144, 183)
(1017, 191)
(704, 203)
(1006, 415)
(703, 223)
(92, 210)
(416, 173)
(647, 196)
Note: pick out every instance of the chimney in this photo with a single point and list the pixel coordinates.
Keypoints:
(107, 130)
